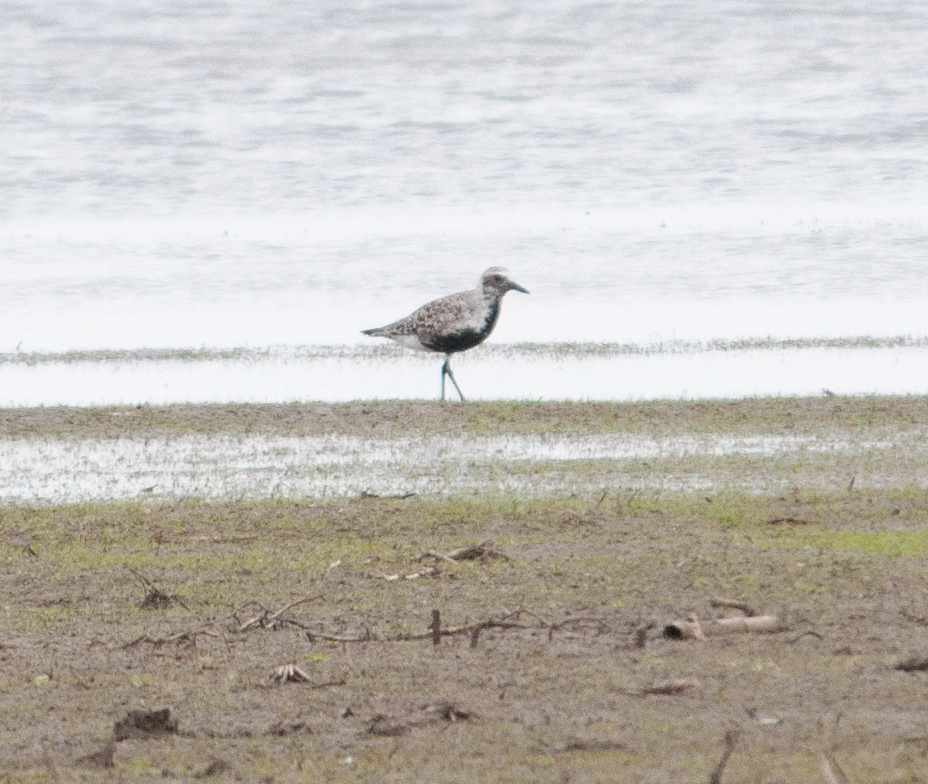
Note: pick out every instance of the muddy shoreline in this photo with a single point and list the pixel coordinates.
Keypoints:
(554, 688)
(394, 418)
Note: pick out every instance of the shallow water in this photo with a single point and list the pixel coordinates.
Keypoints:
(218, 467)
(278, 377)
(270, 173)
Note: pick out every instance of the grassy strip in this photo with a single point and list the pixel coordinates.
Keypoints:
(387, 419)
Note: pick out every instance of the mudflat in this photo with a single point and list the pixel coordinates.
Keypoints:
(294, 639)
(774, 415)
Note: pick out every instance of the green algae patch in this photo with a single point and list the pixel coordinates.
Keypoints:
(893, 544)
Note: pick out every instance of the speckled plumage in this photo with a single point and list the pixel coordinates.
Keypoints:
(456, 323)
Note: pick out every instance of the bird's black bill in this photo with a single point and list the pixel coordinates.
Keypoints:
(517, 287)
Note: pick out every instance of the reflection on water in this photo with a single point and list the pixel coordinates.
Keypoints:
(265, 466)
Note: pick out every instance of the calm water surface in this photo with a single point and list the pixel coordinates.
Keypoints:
(263, 466)
(271, 173)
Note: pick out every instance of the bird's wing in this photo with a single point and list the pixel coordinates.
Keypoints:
(442, 316)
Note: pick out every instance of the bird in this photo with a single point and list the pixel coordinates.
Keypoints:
(453, 324)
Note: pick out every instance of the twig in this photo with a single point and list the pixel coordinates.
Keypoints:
(749, 611)
(509, 621)
(304, 600)
(601, 627)
(213, 539)
(312, 636)
(516, 615)
(154, 596)
(468, 553)
(668, 687)
(641, 634)
(913, 664)
(580, 744)
(455, 630)
(804, 634)
(399, 496)
(731, 738)
(175, 638)
(146, 583)
(790, 520)
(436, 627)
(265, 619)
(425, 571)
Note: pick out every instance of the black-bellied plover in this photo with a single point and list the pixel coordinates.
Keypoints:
(452, 324)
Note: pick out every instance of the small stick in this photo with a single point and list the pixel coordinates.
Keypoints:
(474, 636)
(313, 636)
(804, 634)
(455, 630)
(159, 641)
(263, 618)
(154, 596)
(437, 631)
(282, 610)
(212, 539)
(913, 664)
(749, 611)
(668, 687)
(601, 627)
(446, 632)
(641, 634)
(470, 552)
(436, 627)
(731, 738)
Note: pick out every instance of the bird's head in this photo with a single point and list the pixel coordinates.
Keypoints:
(496, 281)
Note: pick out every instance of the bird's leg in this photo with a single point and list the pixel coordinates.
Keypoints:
(446, 368)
